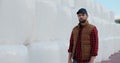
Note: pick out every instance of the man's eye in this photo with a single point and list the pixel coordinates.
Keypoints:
(81, 15)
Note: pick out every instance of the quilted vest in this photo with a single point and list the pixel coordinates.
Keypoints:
(85, 40)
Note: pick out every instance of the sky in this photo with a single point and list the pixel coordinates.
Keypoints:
(112, 5)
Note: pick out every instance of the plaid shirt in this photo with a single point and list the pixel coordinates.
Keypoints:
(94, 43)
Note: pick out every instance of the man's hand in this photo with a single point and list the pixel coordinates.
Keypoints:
(69, 58)
(69, 61)
(92, 59)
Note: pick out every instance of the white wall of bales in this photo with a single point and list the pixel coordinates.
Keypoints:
(38, 31)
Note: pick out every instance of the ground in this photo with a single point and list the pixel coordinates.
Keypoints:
(114, 58)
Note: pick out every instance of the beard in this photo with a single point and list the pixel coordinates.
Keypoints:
(82, 20)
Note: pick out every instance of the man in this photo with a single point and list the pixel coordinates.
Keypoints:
(83, 46)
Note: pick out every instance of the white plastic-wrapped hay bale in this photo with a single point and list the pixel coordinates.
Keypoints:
(13, 54)
(16, 20)
(61, 28)
(51, 20)
(48, 52)
(80, 3)
(46, 13)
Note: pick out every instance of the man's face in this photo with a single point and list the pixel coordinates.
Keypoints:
(82, 17)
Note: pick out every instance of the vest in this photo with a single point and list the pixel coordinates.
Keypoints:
(85, 40)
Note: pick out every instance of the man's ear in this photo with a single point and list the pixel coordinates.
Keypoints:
(87, 15)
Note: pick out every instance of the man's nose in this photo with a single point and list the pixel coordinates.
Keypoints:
(81, 16)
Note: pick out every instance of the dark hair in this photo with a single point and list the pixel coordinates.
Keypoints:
(83, 11)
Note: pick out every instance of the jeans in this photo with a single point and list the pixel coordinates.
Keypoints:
(74, 61)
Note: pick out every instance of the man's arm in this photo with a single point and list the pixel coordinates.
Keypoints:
(70, 49)
(70, 58)
(94, 43)
(92, 59)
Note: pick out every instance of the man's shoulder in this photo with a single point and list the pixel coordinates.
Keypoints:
(76, 27)
(92, 26)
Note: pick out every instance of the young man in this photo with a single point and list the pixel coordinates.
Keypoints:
(83, 46)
